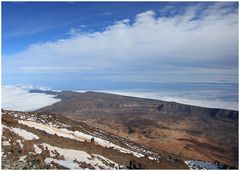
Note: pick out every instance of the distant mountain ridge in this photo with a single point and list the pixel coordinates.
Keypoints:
(177, 108)
(161, 106)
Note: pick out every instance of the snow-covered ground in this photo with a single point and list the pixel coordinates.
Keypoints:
(22, 133)
(52, 130)
(80, 136)
(5, 143)
(73, 156)
(25, 134)
(22, 158)
(37, 149)
(66, 163)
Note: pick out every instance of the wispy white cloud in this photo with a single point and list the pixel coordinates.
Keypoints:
(106, 13)
(36, 27)
(77, 31)
(25, 32)
(197, 37)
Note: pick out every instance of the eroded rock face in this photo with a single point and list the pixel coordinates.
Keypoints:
(177, 108)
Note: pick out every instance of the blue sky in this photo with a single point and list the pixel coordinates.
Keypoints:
(23, 25)
(102, 45)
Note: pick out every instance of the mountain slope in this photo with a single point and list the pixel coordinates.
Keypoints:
(182, 130)
(49, 141)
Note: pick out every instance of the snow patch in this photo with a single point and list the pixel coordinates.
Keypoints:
(20, 143)
(22, 158)
(105, 159)
(51, 130)
(72, 156)
(24, 134)
(152, 158)
(66, 163)
(37, 149)
(5, 143)
(80, 136)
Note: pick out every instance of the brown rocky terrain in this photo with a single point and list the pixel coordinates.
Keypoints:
(49, 141)
(184, 131)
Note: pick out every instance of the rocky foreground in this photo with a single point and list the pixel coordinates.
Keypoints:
(48, 141)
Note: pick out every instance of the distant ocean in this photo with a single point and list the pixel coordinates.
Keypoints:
(213, 95)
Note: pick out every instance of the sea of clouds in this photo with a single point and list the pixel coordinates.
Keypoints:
(204, 98)
(20, 98)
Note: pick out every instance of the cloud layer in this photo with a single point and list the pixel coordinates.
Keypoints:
(19, 98)
(197, 43)
(211, 99)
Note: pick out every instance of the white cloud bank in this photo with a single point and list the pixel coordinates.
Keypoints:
(183, 47)
(19, 98)
(205, 98)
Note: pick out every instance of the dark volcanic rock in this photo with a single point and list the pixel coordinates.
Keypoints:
(177, 108)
